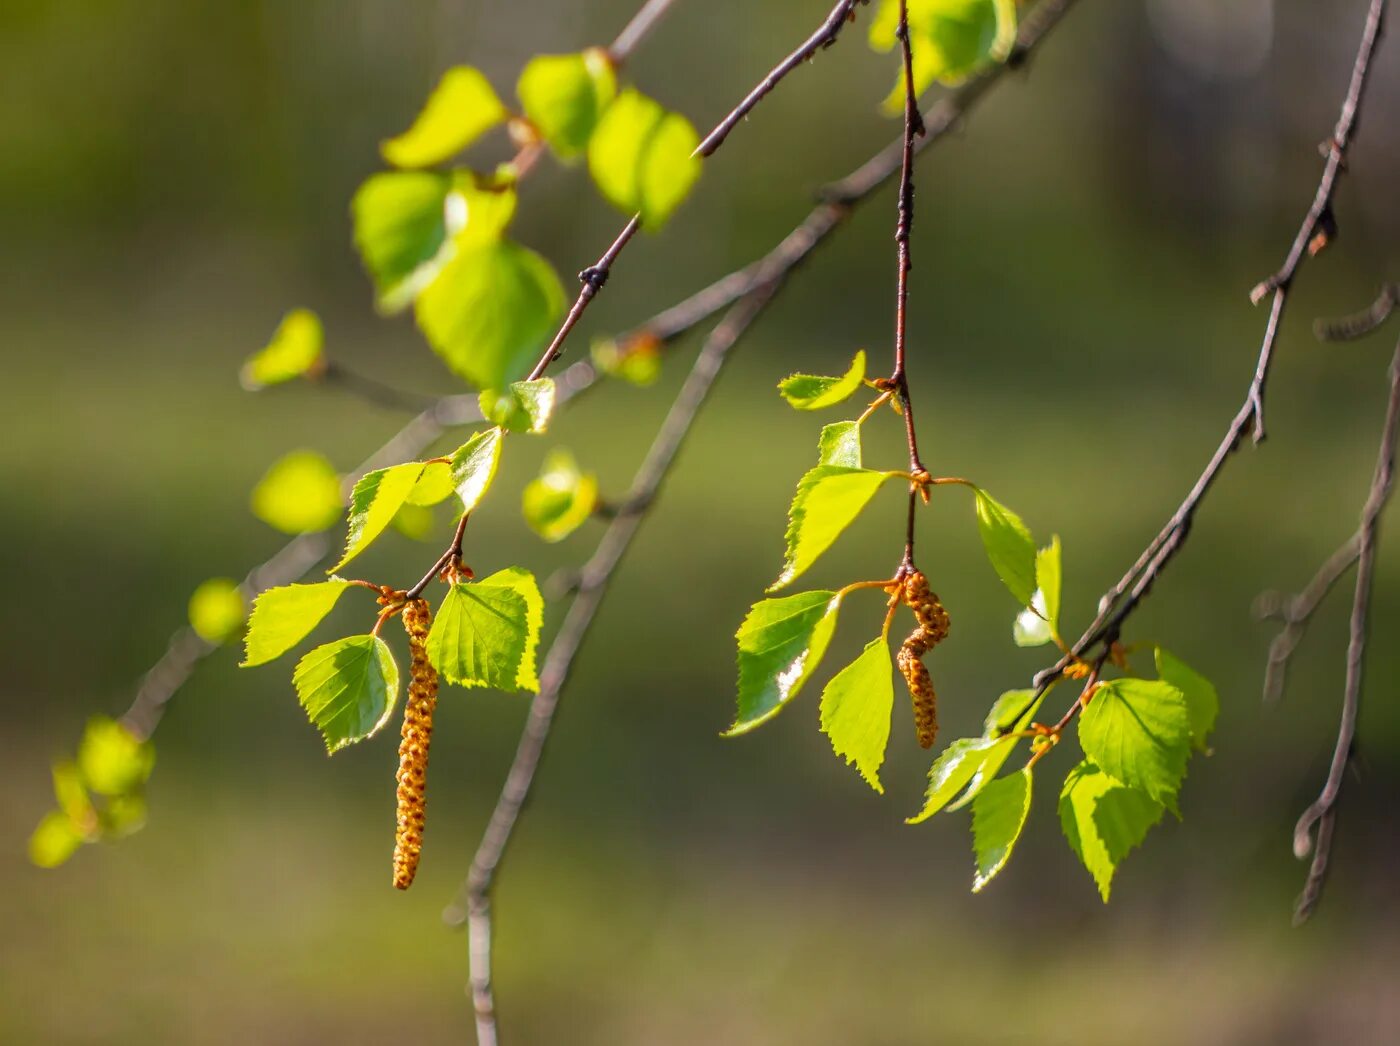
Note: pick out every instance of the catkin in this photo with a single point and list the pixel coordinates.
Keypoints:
(413, 748)
(932, 630)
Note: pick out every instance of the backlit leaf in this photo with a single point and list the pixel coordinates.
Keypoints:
(815, 391)
(1009, 546)
(348, 688)
(641, 157)
(1012, 712)
(998, 815)
(781, 642)
(112, 759)
(284, 616)
(1104, 820)
(217, 610)
(564, 95)
(951, 39)
(828, 499)
(954, 768)
(522, 406)
(557, 501)
(299, 494)
(434, 486)
(1202, 702)
(473, 466)
(295, 350)
(54, 840)
(482, 635)
(374, 503)
(460, 110)
(839, 444)
(855, 710)
(1139, 731)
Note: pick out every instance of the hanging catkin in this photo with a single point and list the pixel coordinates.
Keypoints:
(413, 748)
(932, 630)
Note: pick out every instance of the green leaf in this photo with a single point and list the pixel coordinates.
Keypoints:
(490, 311)
(113, 760)
(284, 616)
(1031, 627)
(1202, 701)
(1009, 546)
(954, 768)
(1038, 623)
(473, 466)
(1001, 720)
(998, 815)
(522, 406)
(299, 494)
(642, 157)
(217, 610)
(123, 815)
(73, 797)
(828, 499)
(434, 486)
(560, 498)
(460, 110)
(839, 444)
(295, 350)
(1104, 820)
(951, 39)
(564, 95)
(637, 360)
(54, 840)
(856, 707)
(374, 503)
(348, 688)
(1138, 730)
(485, 633)
(781, 642)
(814, 391)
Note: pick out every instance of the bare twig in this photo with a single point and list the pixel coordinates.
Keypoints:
(1359, 324)
(373, 391)
(636, 30)
(1322, 812)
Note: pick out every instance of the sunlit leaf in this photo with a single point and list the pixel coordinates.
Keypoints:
(295, 350)
(636, 360)
(460, 110)
(951, 39)
(1009, 546)
(484, 634)
(522, 406)
(284, 616)
(434, 486)
(1012, 712)
(1031, 627)
(217, 610)
(1139, 731)
(112, 759)
(1104, 820)
(374, 503)
(557, 501)
(299, 494)
(839, 444)
(564, 95)
(855, 710)
(1202, 701)
(348, 688)
(828, 500)
(641, 157)
(815, 391)
(54, 840)
(954, 768)
(998, 815)
(781, 642)
(473, 466)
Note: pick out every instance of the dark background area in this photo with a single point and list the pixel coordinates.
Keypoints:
(176, 175)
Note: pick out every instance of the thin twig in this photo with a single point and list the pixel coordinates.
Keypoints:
(373, 391)
(1349, 328)
(636, 30)
(1323, 809)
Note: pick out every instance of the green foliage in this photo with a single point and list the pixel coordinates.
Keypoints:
(839, 444)
(636, 360)
(111, 759)
(485, 634)
(1009, 546)
(299, 494)
(460, 110)
(815, 392)
(54, 840)
(522, 406)
(295, 350)
(781, 642)
(374, 503)
(1001, 720)
(1202, 702)
(1104, 820)
(564, 96)
(348, 688)
(950, 39)
(217, 610)
(284, 616)
(998, 815)
(1139, 731)
(434, 486)
(474, 466)
(490, 310)
(855, 710)
(954, 768)
(828, 499)
(1040, 622)
(642, 157)
(558, 501)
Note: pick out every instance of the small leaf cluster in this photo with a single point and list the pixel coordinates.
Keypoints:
(950, 40)
(99, 793)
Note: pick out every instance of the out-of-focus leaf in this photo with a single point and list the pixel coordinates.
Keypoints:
(295, 350)
(641, 157)
(564, 95)
(284, 616)
(299, 494)
(560, 498)
(217, 610)
(460, 110)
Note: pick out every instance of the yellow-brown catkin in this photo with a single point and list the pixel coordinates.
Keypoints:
(413, 748)
(932, 630)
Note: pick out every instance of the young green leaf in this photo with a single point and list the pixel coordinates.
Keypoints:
(636, 360)
(1048, 574)
(1139, 732)
(998, 815)
(814, 391)
(1013, 711)
(781, 642)
(955, 767)
(557, 501)
(1009, 546)
(1202, 702)
(642, 157)
(1031, 627)
(489, 311)
(473, 466)
(460, 110)
(54, 840)
(299, 494)
(523, 584)
(839, 444)
(434, 486)
(828, 499)
(856, 707)
(481, 637)
(951, 39)
(564, 95)
(374, 503)
(284, 616)
(1104, 820)
(111, 759)
(348, 688)
(522, 406)
(295, 350)
(217, 610)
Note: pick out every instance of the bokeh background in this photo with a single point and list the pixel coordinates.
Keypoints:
(176, 175)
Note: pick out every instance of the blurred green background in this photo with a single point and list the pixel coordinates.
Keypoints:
(177, 175)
